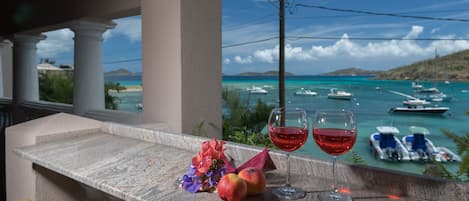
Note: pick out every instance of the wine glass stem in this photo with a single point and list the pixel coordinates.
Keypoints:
(334, 185)
(287, 183)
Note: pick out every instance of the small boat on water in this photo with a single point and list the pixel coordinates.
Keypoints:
(432, 94)
(139, 106)
(414, 102)
(421, 148)
(416, 106)
(437, 97)
(339, 94)
(416, 86)
(386, 146)
(305, 92)
(256, 90)
(419, 109)
(430, 90)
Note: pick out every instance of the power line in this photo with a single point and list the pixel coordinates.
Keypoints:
(373, 38)
(251, 22)
(382, 14)
(250, 42)
(360, 15)
(292, 38)
(123, 61)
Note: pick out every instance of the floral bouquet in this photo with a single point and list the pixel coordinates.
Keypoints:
(210, 164)
(207, 168)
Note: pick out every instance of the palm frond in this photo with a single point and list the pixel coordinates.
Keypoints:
(462, 142)
(464, 165)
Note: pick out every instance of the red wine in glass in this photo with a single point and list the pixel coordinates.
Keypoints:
(288, 138)
(288, 130)
(334, 141)
(335, 133)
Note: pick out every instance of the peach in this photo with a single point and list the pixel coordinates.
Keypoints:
(255, 180)
(231, 188)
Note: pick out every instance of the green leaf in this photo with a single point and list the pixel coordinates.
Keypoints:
(357, 159)
(464, 166)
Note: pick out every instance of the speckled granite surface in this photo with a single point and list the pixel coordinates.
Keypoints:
(138, 164)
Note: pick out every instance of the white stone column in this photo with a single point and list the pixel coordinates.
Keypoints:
(2, 45)
(88, 77)
(25, 77)
(182, 64)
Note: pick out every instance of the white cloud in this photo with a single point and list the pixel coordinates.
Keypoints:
(58, 41)
(345, 47)
(291, 53)
(130, 27)
(414, 32)
(434, 30)
(240, 60)
(61, 41)
(266, 55)
(226, 61)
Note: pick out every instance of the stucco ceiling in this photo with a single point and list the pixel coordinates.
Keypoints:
(44, 15)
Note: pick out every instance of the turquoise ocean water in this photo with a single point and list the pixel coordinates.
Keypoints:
(369, 105)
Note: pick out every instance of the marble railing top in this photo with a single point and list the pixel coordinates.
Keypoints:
(139, 164)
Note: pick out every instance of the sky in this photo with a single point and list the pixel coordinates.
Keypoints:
(331, 35)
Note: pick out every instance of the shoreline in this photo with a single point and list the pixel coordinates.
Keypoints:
(129, 88)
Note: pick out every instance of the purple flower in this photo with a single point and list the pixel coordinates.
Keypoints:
(191, 171)
(190, 181)
(216, 175)
(191, 184)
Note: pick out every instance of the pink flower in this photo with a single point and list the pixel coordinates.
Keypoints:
(212, 151)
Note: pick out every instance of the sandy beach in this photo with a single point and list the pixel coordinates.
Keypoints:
(129, 88)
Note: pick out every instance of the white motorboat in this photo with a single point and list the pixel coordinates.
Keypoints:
(416, 86)
(339, 94)
(431, 90)
(415, 102)
(421, 148)
(256, 90)
(448, 155)
(420, 109)
(386, 146)
(417, 106)
(139, 106)
(305, 92)
(434, 97)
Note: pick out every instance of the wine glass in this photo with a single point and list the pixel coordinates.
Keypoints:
(288, 130)
(335, 133)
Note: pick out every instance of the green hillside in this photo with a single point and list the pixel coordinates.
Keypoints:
(267, 73)
(351, 71)
(118, 72)
(454, 67)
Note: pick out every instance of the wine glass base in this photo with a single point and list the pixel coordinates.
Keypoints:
(334, 196)
(289, 193)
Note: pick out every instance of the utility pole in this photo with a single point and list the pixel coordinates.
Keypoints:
(281, 59)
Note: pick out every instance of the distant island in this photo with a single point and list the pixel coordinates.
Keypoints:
(267, 73)
(452, 67)
(351, 72)
(119, 72)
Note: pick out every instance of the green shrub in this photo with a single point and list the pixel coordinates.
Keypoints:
(243, 124)
(58, 88)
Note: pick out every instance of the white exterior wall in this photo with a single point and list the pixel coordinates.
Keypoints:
(181, 42)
